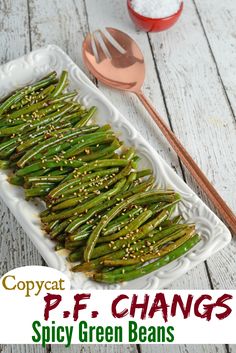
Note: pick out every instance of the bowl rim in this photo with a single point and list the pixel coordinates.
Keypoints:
(130, 8)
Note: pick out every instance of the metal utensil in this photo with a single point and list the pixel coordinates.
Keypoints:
(115, 59)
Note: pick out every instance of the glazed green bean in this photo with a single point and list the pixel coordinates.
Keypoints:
(118, 244)
(37, 191)
(48, 143)
(79, 221)
(4, 164)
(56, 178)
(105, 220)
(85, 119)
(171, 256)
(62, 83)
(21, 93)
(132, 226)
(87, 205)
(34, 97)
(65, 187)
(15, 180)
(121, 221)
(105, 163)
(119, 254)
(182, 236)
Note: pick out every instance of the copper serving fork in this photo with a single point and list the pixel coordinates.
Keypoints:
(115, 59)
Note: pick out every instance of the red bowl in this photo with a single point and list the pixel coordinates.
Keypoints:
(153, 24)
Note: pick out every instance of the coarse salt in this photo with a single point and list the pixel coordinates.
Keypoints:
(156, 8)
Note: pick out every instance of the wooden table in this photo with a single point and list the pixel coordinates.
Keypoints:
(191, 79)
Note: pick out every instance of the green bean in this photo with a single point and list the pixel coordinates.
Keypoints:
(79, 221)
(8, 143)
(105, 220)
(54, 172)
(56, 178)
(26, 127)
(7, 152)
(101, 153)
(71, 245)
(45, 212)
(70, 202)
(21, 93)
(135, 161)
(86, 217)
(64, 147)
(42, 183)
(190, 230)
(65, 187)
(85, 119)
(132, 226)
(59, 246)
(38, 191)
(35, 138)
(121, 221)
(4, 164)
(129, 154)
(98, 205)
(171, 256)
(15, 180)
(119, 254)
(87, 205)
(108, 248)
(60, 227)
(81, 234)
(155, 252)
(40, 172)
(34, 97)
(29, 139)
(77, 149)
(29, 109)
(86, 168)
(29, 143)
(143, 173)
(48, 143)
(177, 219)
(62, 83)
(52, 225)
(76, 255)
(89, 188)
(121, 270)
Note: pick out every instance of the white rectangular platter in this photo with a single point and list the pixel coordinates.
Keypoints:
(215, 235)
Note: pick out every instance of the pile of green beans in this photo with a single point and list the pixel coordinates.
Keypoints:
(100, 207)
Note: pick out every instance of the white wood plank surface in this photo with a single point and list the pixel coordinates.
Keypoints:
(103, 348)
(182, 349)
(63, 23)
(20, 348)
(218, 19)
(232, 348)
(201, 117)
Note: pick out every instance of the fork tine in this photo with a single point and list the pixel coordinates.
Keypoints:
(102, 43)
(101, 56)
(124, 41)
(93, 47)
(111, 44)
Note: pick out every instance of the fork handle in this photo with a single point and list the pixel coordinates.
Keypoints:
(192, 167)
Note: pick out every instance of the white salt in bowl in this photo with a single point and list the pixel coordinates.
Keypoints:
(149, 24)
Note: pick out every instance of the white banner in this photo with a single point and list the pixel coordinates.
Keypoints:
(37, 306)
